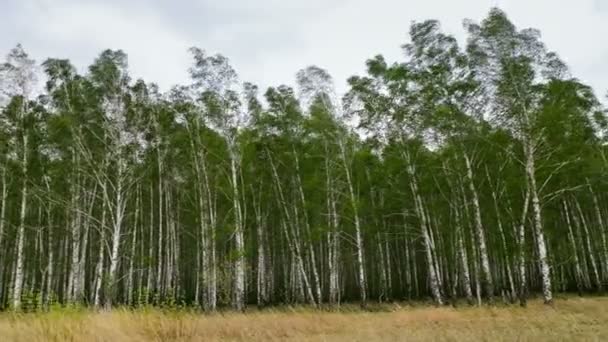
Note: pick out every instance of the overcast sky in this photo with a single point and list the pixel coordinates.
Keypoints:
(269, 40)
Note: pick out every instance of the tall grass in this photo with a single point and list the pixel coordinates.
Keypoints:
(573, 319)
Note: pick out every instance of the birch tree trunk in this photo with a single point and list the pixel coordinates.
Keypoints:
(18, 279)
(507, 255)
(311, 250)
(262, 287)
(428, 245)
(602, 229)
(541, 247)
(3, 213)
(117, 223)
(333, 243)
(130, 274)
(479, 232)
(578, 273)
(4, 257)
(99, 268)
(589, 245)
(159, 258)
(50, 274)
(74, 214)
(358, 233)
(211, 264)
(464, 261)
(239, 264)
(521, 242)
(290, 235)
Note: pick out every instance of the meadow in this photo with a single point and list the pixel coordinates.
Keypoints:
(570, 319)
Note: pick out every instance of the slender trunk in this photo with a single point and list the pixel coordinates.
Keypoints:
(202, 262)
(290, 235)
(311, 250)
(79, 287)
(541, 247)
(332, 236)
(211, 263)
(464, 262)
(3, 208)
(48, 291)
(116, 234)
(18, 282)
(383, 273)
(358, 232)
(334, 254)
(4, 258)
(480, 233)
(508, 261)
(129, 289)
(297, 243)
(389, 276)
(589, 245)
(262, 296)
(578, 273)
(408, 268)
(602, 229)
(168, 264)
(99, 268)
(428, 245)
(202, 251)
(74, 215)
(160, 259)
(149, 263)
(206, 217)
(239, 264)
(521, 242)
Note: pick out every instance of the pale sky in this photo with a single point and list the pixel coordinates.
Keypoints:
(268, 41)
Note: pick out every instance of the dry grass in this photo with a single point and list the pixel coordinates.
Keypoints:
(573, 319)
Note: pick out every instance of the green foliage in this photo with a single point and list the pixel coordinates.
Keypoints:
(108, 158)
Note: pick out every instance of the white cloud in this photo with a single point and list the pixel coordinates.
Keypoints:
(269, 40)
(81, 30)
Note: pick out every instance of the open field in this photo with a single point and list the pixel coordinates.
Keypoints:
(573, 319)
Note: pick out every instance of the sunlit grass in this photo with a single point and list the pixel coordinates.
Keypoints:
(570, 319)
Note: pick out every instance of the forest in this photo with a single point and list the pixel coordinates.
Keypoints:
(466, 172)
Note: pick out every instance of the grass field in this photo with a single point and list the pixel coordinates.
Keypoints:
(572, 319)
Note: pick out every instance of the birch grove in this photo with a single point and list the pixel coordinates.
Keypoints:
(460, 174)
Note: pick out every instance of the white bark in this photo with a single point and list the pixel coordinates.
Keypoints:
(464, 261)
(358, 232)
(503, 240)
(479, 232)
(311, 250)
(75, 230)
(239, 243)
(130, 275)
(578, 272)
(292, 240)
(333, 243)
(4, 205)
(99, 268)
(2, 222)
(262, 287)
(117, 223)
(541, 247)
(18, 283)
(48, 291)
(160, 259)
(589, 245)
(602, 229)
(428, 244)
(150, 268)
